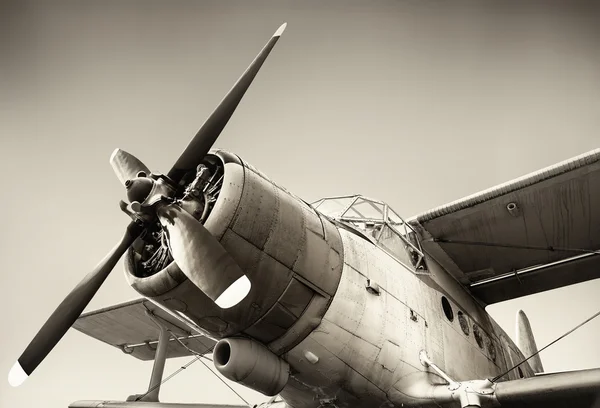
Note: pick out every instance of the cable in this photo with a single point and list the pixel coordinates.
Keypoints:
(180, 368)
(545, 347)
(223, 381)
(192, 352)
(208, 350)
(139, 398)
(196, 355)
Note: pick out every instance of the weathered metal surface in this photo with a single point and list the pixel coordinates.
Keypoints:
(526, 342)
(314, 304)
(377, 222)
(369, 344)
(292, 258)
(230, 194)
(257, 211)
(250, 363)
(557, 208)
(568, 389)
(128, 327)
(306, 323)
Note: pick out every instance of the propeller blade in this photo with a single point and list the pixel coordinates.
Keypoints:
(126, 166)
(200, 145)
(202, 258)
(69, 310)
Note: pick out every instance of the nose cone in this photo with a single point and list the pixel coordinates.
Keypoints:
(138, 189)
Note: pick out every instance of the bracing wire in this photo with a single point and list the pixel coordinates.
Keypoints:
(222, 380)
(546, 346)
(197, 357)
(180, 369)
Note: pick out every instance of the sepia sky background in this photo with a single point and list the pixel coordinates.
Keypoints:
(415, 103)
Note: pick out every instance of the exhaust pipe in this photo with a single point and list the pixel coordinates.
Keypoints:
(250, 363)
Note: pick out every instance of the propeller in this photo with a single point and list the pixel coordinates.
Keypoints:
(69, 310)
(194, 153)
(126, 166)
(198, 254)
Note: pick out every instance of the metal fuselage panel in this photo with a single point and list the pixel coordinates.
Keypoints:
(368, 345)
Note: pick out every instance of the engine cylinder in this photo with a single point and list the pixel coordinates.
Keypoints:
(248, 362)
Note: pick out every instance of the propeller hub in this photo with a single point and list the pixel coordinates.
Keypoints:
(138, 189)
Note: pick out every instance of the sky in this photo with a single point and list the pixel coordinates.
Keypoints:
(413, 103)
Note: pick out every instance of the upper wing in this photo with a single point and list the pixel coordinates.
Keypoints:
(130, 327)
(546, 242)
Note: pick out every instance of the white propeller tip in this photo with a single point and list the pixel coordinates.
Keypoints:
(17, 375)
(280, 30)
(113, 155)
(235, 293)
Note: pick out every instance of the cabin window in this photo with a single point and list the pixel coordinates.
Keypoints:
(447, 309)
(478, 336)
(379, 224)
(462, 320)
(394, 244)
(491, 349)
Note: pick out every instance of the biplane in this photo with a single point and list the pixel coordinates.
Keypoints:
(339, 302)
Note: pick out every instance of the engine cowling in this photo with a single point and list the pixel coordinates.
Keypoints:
(248, 362)
(292, 255)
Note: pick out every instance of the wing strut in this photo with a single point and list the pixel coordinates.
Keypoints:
(159, 363)
(156, 379)
(559, 389)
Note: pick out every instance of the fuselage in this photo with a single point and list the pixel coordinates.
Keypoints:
(349, 317)
(370, 343)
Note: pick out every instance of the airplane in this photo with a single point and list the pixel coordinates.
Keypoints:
(339, 302)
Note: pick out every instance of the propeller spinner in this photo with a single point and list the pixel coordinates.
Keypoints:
(152, 197)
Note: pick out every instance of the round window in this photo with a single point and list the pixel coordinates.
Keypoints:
(491, 349)
(478, 336)
(447, 309)
(462, 320)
